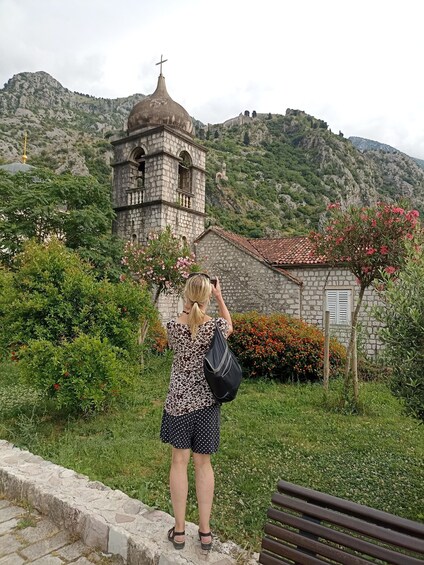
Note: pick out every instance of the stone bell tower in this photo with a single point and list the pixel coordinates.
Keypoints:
(158, 171)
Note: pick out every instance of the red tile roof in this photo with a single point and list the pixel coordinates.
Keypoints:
(287, 251)
(278, 252)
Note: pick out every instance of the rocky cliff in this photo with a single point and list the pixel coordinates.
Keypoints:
(266, 174)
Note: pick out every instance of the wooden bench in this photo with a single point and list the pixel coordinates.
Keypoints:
(308, 527)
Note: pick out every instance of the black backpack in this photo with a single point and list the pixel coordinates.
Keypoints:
(222, 370)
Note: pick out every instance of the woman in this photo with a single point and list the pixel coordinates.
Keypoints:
(191, 416)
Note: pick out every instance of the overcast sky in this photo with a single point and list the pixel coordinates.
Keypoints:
(355, 64)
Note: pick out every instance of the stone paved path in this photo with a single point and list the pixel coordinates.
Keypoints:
(70, 504)
(28, 537)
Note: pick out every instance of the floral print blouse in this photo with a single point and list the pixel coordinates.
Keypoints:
(188, 388)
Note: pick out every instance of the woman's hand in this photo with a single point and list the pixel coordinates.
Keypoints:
(216, 289)
(223, 310)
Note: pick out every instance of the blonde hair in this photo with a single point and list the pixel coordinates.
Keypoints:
(197, 292)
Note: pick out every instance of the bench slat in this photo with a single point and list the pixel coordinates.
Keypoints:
(308, 527)
(291, 553)
(267, 559)
(341, 538)
(352, 508)
(351, 523)
(315, 546)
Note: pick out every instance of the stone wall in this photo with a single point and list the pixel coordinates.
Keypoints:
(316, 280)
(157, 202)
(169, 306)
(247, 283)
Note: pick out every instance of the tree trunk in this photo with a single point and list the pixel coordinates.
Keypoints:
(352, 344)
(144, 328)
(355, 368)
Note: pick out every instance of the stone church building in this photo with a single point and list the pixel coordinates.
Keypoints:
(159, 174)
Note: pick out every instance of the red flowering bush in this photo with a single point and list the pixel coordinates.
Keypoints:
(283, 348)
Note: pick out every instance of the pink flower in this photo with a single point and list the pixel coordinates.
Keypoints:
(390, 270)
(398, 210)
(409, 236)
(384, 249)
(371, 251)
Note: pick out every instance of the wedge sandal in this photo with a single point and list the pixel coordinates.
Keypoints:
(171, 535)
(205, 546)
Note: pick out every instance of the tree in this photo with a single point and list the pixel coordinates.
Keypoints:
(370, 242)
(246, 138)
(40, 204)
(402, 316)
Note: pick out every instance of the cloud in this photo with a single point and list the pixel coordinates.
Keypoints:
(355, 65)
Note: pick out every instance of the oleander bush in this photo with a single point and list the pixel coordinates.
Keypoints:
(283, 348)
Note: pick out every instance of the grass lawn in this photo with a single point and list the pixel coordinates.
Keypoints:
(270, 432)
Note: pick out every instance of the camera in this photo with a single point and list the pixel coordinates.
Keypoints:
(214, 280)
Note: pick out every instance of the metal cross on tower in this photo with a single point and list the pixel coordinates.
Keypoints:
(161, 63)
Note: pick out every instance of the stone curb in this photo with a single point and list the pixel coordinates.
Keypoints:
(103, 518)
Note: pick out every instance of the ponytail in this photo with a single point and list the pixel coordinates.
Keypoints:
(197, 292)
(195, 319)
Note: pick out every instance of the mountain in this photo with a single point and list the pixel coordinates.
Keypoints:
(66, 130)
(364, 144)
(267, 175)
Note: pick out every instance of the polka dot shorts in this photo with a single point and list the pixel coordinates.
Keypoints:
(198, 430)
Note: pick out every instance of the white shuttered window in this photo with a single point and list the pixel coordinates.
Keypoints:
(338, 303)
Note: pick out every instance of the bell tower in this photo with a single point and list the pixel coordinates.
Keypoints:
(158, 171)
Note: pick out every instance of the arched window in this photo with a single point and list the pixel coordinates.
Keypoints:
(139, 167)
(185, 180)
(136, 184)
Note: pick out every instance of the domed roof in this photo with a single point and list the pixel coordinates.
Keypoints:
(159, 109)
(16, 167)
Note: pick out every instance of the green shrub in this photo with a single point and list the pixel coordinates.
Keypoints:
(53, 308)
(86, 374)
(283, 348)
(402, 316)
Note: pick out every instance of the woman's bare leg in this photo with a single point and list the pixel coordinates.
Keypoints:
(205, 483)
(178, 483)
